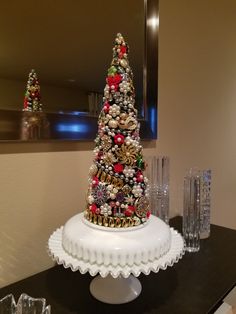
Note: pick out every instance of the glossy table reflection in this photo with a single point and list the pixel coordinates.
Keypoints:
(196, 284)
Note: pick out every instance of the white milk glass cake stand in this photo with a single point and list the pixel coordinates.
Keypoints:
(116, 255)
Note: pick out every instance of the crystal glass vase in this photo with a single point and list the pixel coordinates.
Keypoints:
(158, 189)
(25, 305)
(191, 211)
(205, 204)
(151, 188)
(162, 184)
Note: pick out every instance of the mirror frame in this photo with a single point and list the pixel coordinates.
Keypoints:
(79, 126)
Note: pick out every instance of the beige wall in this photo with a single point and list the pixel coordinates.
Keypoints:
(39, 192)
(197, 97)
(42, 185)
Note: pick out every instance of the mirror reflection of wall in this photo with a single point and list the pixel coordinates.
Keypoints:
(68, 46)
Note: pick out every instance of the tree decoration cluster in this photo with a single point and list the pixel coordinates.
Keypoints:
(117, 192)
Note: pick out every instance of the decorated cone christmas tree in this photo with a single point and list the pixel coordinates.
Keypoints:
(32, 95)
(117, 192)
(34, 124)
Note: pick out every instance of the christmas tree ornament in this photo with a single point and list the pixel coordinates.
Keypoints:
(117, 193)
(32, 95)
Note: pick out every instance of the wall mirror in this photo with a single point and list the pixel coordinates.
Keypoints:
(70, 47)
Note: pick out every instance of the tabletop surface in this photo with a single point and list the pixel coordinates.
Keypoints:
(194, 285)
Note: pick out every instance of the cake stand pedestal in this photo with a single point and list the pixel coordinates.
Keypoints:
(118, 256)
(115, 290)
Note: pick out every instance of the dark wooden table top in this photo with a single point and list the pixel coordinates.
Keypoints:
(194, 285)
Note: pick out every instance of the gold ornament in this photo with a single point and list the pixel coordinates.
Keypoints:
(93, 170)
(123, 116)
(113, 222)
(127, 154)
(106, 142)
(142, 206)
(109, 159)
(126, 189)
(113, 124)
(130, 123)
(123, 63)
(106, 178)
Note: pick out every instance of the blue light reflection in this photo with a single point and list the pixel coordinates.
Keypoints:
(74, 113)
(153, 119)
(72, 127)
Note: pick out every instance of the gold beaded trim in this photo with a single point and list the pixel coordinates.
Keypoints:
(104, 177)
(112, 222)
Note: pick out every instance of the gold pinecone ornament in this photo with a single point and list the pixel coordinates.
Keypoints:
(117, 193)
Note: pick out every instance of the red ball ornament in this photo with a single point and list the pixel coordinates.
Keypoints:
(148, 213)
(128, 213)
(98, 156)
(123, 49)
(114, 80)
(119, 139)
(25, 102)
(93, 208)
(139, 176)
(131, 208)
(106, 107)
(95, 181)
(118, 168)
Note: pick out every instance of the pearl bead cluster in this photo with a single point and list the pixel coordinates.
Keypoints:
(124, 87)
(137, 190)
(105, 210)
(114, 110)
(129, 172)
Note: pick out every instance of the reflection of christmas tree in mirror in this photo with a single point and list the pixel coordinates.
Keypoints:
(32, 94)
(117, 194)
(35, 124)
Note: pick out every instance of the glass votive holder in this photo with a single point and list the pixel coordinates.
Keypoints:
(191, 212)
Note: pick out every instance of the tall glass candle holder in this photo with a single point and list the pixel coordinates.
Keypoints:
(191, 212)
